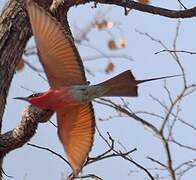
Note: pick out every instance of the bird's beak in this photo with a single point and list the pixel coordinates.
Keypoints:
(21, 98)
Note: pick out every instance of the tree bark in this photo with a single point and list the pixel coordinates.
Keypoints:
(14, 34)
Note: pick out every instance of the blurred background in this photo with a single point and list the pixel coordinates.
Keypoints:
(110, 42)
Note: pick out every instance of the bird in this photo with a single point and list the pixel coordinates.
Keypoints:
(70, 95)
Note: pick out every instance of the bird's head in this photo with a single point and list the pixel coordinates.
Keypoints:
(31, 99)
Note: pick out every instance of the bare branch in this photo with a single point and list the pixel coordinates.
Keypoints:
(108, 56)
(124, 155)
(176, 51)
(111, 104)
(169, 158)
(33, 67)
(157, 162)
(17, 137)
(187, 13)
(182, 145)
(93, 176)
(182, 4)
(51, 151)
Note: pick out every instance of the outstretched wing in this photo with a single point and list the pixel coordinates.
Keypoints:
(76, 127)
(57, 51)
(63, 66)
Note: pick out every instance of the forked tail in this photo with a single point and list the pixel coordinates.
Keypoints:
(125, 84)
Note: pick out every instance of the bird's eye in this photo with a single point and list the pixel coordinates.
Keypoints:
(83, 89)
(88, 82)
(35, 95)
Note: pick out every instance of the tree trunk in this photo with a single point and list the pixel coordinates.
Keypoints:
(14, 34)
(15, 31)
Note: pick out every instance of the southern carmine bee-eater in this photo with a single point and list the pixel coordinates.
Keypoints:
(69, 94)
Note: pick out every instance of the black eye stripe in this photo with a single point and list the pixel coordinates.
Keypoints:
(35, 95)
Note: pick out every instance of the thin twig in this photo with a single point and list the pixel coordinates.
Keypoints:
(175, 51)
(51, 151)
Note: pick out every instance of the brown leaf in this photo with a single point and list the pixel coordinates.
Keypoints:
(122, 42)
(144, 1)
(110, 24)
(112, 44)
(104, 24)
(109, 68)
(100, 25)
(20, 65)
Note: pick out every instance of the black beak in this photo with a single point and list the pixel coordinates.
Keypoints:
(22, 98)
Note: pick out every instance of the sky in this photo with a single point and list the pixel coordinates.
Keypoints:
(29, 163)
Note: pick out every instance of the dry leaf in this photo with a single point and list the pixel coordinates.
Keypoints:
(101, 25)
(122, 42)
(104, 24)
(144, 1)
(109, 68)
(20, 65)
(110, 24)
(112, 44)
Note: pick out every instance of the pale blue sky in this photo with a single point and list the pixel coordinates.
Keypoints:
(37, 164)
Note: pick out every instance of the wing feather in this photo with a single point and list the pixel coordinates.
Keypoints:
(57, 52)
(76, 127)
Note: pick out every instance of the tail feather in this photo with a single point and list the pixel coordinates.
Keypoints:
(154, 79)
(125, 84)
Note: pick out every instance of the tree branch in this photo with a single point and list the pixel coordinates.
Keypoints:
(187, 13)
(17, 137)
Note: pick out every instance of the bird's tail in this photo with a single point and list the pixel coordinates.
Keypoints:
(124, 84)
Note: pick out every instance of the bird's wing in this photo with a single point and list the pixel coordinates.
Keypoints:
(56, 48)
(76, 128)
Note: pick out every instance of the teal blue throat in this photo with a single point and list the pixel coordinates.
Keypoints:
(86, 93)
